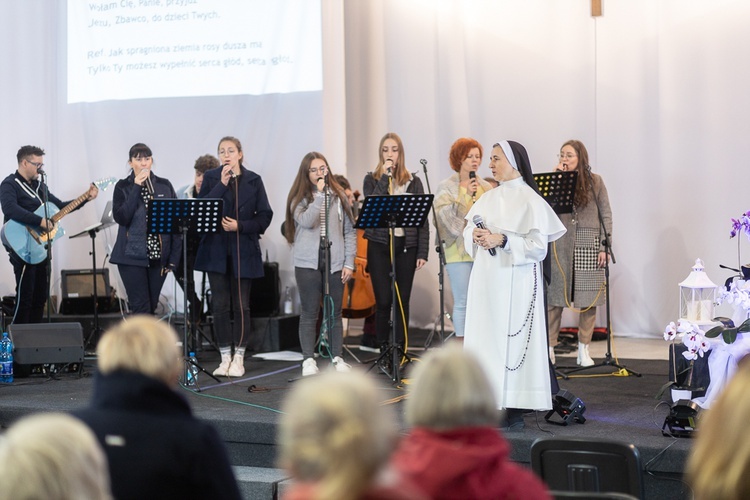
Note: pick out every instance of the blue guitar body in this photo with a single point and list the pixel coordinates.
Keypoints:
(30, 243)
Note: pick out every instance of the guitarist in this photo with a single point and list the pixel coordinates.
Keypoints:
(21, 193)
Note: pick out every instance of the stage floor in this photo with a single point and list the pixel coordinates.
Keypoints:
(245, 411)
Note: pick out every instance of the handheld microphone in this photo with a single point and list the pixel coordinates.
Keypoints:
(473, 175)
(390, 167)
(480, 224)
(149, 186)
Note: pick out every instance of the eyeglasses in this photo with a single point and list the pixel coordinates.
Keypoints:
(37, 165)
(322, 170)
(566, 156)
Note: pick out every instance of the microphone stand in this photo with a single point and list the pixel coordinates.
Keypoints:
(607, 242)
(325, 245)
(48, 244)
(441, 268)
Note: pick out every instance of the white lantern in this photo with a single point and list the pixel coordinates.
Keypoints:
(697, 296)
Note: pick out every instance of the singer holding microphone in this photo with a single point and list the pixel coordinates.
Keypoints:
(306, 212)
(22, 193)
(143, 260)
(232, 257)
(410, 245)
(455, 197)
(577, 281)
(507, 233)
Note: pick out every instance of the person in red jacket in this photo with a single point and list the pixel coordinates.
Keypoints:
(454, 448)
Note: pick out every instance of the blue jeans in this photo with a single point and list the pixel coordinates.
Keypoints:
(459, 273)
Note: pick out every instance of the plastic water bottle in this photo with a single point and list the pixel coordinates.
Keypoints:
(6, 359)
(288, 304)
(192, 370)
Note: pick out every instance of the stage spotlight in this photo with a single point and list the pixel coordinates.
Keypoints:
(568, 407)
(682, 419)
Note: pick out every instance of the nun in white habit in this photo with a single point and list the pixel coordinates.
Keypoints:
(505, 322)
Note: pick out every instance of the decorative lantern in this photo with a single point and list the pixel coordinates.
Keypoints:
(697, 296)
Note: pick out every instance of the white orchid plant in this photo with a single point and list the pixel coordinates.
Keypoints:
(692, 336)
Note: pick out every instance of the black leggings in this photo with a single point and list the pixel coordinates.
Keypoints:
(379, 267)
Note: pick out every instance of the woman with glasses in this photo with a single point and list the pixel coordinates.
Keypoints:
(455, 196)
(578, 258)
(410, 245)
(319, 226)
(507, 233)
(143, 260)
(232, 257)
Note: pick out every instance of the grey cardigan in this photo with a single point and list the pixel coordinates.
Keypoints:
(341, 234)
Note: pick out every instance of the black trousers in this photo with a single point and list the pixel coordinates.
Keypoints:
(31, 289)
(379, 266)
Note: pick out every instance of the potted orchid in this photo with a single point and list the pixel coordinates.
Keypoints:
(741, 225)
(693, 337)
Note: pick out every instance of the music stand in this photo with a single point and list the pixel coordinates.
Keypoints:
(391, 212)
(91, 231)
(558, 189)
(185, 216)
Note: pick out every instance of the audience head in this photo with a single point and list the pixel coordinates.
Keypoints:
(52, 455)
(449, 389)
(202, 165)
(335, 433)
(460, 151)
(719, 464)
(141, 344)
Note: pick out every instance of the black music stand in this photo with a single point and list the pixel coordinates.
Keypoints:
(391, 212)
(185, 216)
(558, 189)
(91, 232)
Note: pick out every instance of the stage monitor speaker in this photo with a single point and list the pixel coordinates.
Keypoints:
(47, 343)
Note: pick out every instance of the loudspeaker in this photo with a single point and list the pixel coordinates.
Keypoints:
(47, 343)
(265, 292)
(77, 286)
(278, 333)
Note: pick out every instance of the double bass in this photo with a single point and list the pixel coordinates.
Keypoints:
(359, 297)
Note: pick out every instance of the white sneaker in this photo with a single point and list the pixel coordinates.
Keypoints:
(309, 367)
(584, 359)
(221, 371)
(340, 366)
(237, 368)
(552, 354)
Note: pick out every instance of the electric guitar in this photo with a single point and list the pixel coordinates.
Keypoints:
(30, 242)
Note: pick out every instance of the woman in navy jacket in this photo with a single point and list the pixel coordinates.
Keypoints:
(143, 260)
(232, 256)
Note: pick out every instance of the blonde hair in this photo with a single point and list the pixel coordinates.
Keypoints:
(449, 389)
(141, 344)
(719, 464)
(52, 455)
(335, 433)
